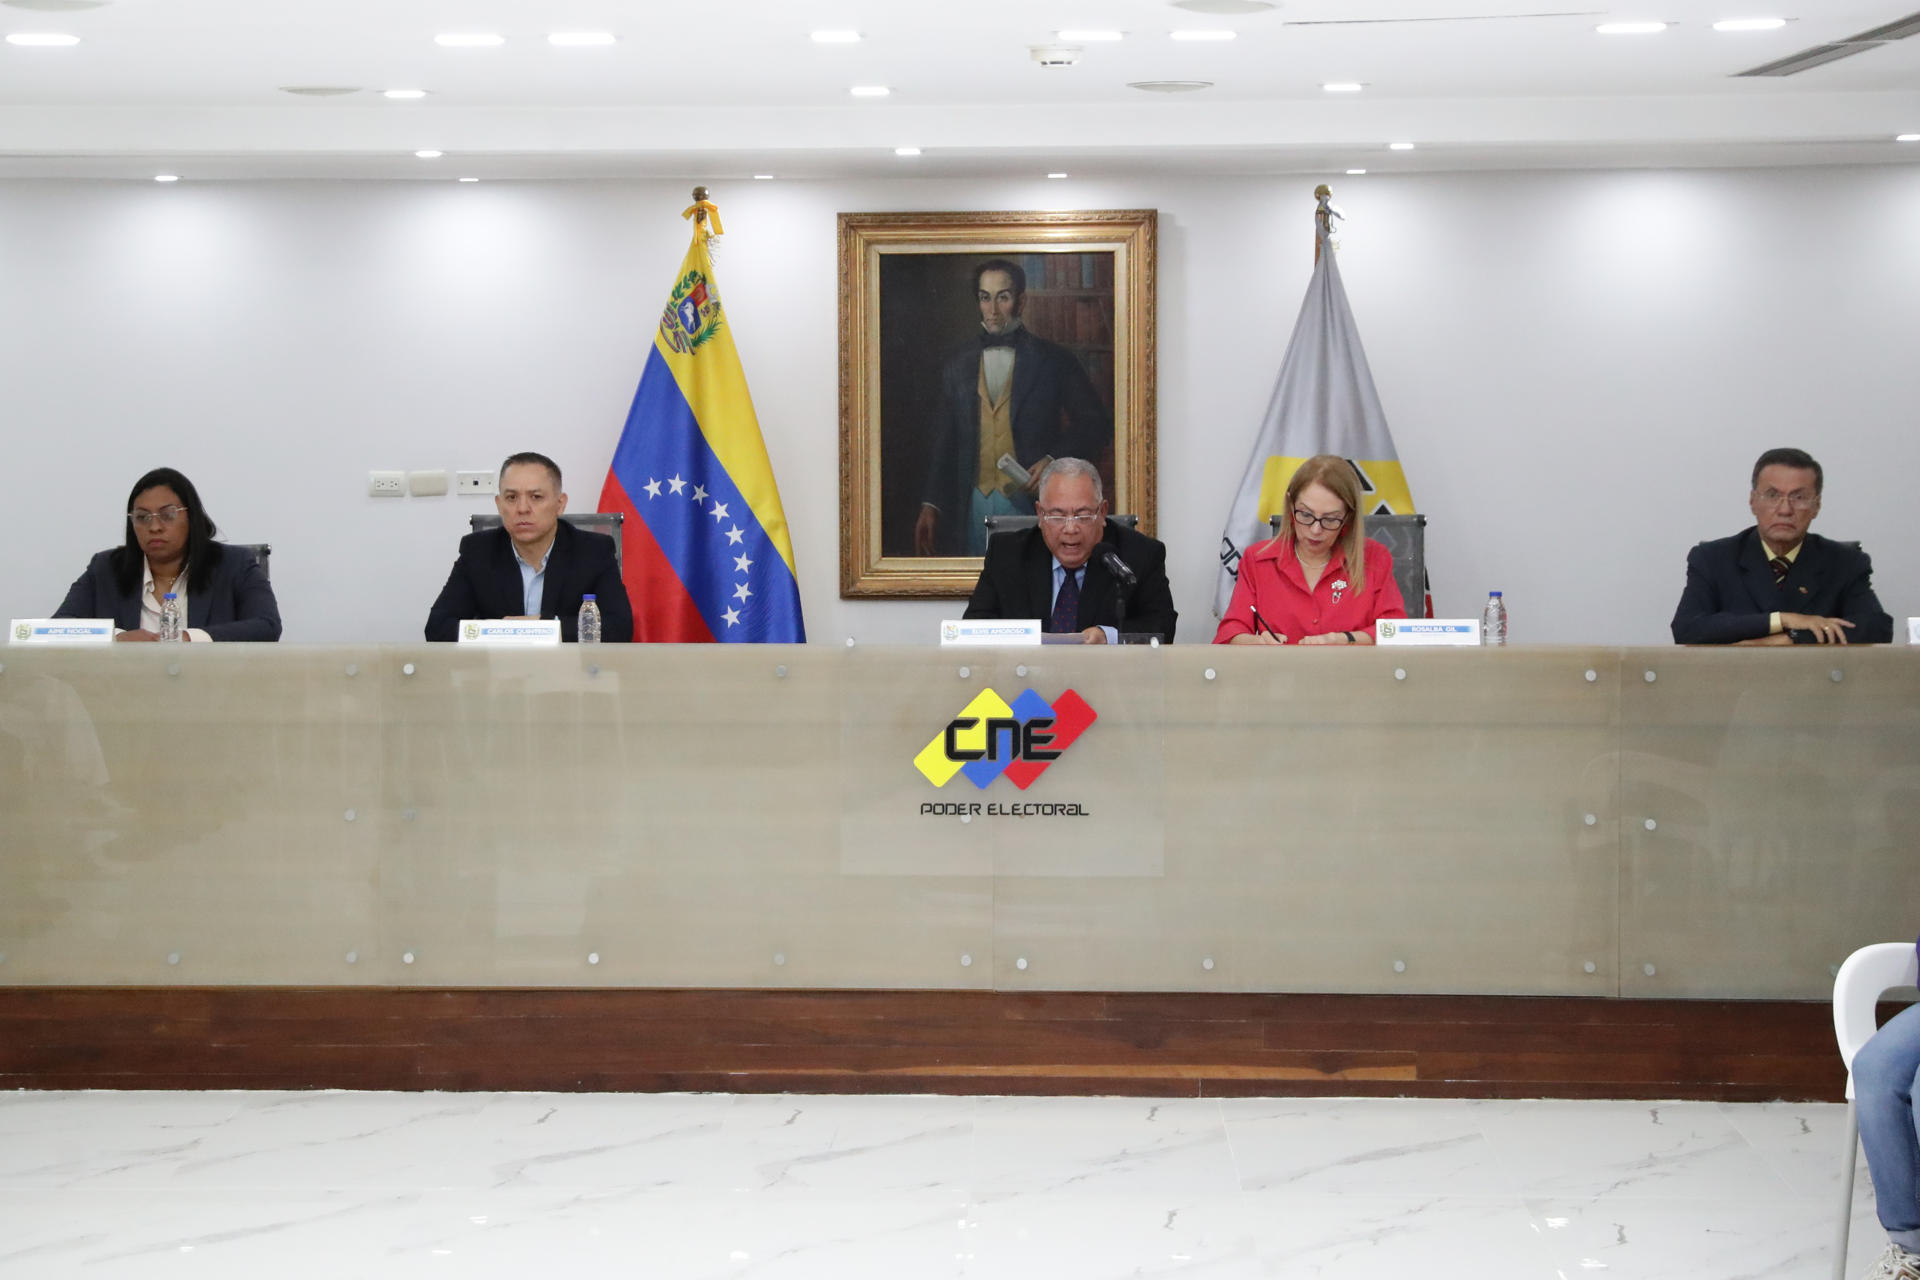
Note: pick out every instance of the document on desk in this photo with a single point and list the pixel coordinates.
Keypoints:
(61, 631)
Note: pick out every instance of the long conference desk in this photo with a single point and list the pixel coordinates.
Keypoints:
(1549, 821)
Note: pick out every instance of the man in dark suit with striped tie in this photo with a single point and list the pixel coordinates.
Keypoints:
(1059, 572)
(1776, 583)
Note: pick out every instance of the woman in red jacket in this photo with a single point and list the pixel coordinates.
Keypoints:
(1320, 581)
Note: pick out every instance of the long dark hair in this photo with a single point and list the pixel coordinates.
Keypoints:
(202, 551)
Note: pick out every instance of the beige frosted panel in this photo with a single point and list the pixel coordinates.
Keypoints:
(188, 801)
(1786, 807)
(1324, 820)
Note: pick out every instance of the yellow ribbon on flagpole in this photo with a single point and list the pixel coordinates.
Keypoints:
(705, 214)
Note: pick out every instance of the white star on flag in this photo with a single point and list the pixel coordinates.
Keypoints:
(734, 536)
(676, 484)
(699, 493)
(732, 616)
(742, 591)
(741, 563)
(719, 511)
(653, 488)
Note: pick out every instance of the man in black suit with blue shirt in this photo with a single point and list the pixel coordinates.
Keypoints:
(1776, 583)
(535, 565)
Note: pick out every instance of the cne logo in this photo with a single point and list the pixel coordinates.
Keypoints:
(990, 738)
(23, 632)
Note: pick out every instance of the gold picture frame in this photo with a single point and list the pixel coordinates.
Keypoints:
(906, 379)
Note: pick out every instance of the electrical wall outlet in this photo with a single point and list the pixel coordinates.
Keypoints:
(426, 484)
(386, 484)
(474, 482)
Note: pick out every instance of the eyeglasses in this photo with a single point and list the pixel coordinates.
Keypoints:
(165, 515)
(1799, 500)
(1306, 520)
(1061, 519)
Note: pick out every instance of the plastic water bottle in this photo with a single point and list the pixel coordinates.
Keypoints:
(589, 621)
(1493, 622)
(170, 618)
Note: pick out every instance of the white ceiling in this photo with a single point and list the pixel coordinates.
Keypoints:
(725, 88)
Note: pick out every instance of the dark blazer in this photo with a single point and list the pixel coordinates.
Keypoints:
(485, 583)
(1017, 582)
(1730, 591)
(237, 604)
(1056, 412)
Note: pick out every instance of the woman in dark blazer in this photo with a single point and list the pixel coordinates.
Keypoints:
(170, 547)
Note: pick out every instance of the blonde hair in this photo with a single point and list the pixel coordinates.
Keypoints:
(1336, 475)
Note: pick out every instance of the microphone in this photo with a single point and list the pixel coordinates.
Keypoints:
(1122, 574)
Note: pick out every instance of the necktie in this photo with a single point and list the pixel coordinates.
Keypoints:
(1066, 605)
(1780, 566)
(996, 339)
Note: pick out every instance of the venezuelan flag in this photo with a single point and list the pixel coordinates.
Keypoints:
(705, 549)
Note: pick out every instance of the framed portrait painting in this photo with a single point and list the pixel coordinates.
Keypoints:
(974, 349)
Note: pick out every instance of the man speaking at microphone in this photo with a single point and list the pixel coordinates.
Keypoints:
(1073, 571)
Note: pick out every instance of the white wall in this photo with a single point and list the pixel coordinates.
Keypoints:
(1579, 367)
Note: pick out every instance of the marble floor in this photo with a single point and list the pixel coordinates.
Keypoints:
(913, 1188)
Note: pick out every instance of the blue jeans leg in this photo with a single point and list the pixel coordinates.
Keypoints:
(1885, 1074)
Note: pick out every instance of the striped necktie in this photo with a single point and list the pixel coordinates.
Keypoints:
(1066, 605)
(1780, 566)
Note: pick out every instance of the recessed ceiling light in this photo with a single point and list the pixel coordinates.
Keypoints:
(580, 39)
(318, 90)
(1170, 86)
(1056, 175)
(763, 177)
(1750, 24)
(403, 95)
(428, 155)
(1205, 33)
(1399, 146)
(166, 177)
(1226, 6)
(906, 151)
(1907, 137)
(836, 37)
(1354, 173)
(1630, 28)
(1078, 36)
(869, 91)
(1343, 86)
(469, 179)
(56, 6)
(469, 40)
(43, 39)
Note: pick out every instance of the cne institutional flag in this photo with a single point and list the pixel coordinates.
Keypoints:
(1324, 402)
(705, 549)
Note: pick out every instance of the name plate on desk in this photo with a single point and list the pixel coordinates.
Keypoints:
(977, 631)
(61, 631)
(1913, 630)
(508, 631)
(1427, 631)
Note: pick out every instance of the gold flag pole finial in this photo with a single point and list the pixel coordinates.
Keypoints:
(705, 215)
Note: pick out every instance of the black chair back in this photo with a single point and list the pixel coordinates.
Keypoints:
(260, 550)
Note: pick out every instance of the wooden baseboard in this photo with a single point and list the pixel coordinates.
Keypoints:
(1163, 1045)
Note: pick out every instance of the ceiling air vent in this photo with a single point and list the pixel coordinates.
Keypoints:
(1821, 54)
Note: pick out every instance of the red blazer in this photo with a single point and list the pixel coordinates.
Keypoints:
(1272, 581)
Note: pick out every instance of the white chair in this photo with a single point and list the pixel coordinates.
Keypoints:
(1867, 974)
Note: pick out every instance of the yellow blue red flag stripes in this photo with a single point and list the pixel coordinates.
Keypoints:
(706, 554)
